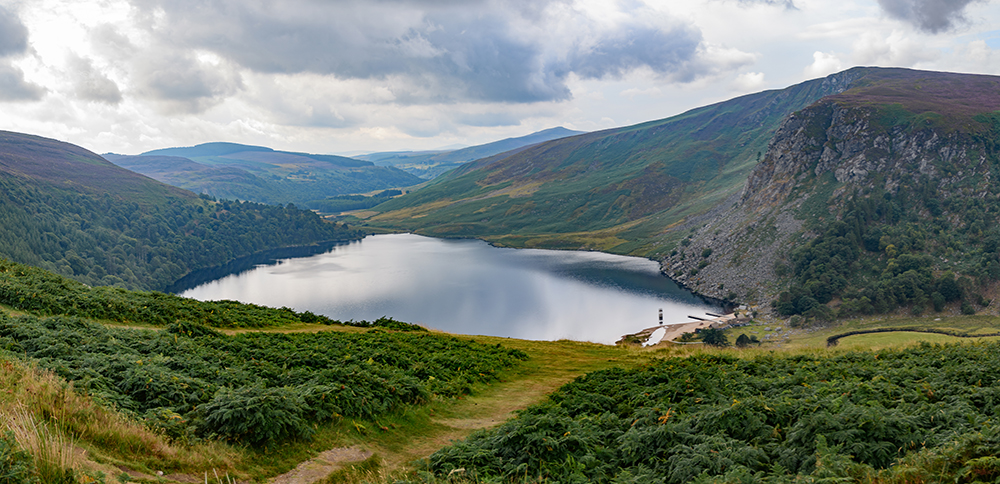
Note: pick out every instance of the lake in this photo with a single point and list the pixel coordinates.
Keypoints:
(468, 287)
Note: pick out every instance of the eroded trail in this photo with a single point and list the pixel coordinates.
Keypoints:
(551, 365)
(322, 465)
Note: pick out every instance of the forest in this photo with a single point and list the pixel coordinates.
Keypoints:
(908, 249)
(134, 243)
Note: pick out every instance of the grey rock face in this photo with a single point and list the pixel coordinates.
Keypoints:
(763, 225)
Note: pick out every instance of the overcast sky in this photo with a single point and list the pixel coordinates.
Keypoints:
(332, 76)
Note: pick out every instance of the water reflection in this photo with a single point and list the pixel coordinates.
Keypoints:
(469, 287)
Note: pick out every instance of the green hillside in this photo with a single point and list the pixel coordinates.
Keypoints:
(431, 164)
(70, 211)
(264, 175)
(614, 190)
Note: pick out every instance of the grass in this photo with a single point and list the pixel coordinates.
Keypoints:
(815, 337)
(69, 430)
(64, 429)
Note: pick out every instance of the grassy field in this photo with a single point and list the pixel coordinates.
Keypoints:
(816, 338)
(85, 436)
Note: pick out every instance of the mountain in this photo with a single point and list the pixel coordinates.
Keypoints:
(865, 192)
(882, 197)
(261, 174)
(616, 190)
(431, 164)
(70, 211)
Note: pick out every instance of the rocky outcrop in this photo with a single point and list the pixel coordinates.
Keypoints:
(853, 144)
(834, 144)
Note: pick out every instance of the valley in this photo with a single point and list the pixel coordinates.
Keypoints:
(858, 208)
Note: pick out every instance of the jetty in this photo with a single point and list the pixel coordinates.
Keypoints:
(675, 330)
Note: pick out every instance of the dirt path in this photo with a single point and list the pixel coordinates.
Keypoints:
(450, 420)
(322, 465)
(557, 364)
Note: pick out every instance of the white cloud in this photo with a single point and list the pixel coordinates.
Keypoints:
(973, 57)
(632, 92)
(748, 82)
(823, 64)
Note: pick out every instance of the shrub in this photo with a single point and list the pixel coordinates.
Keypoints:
(967, 308)
(257, 415)
(714, 337)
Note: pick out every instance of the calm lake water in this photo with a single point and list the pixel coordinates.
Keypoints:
(469, 287)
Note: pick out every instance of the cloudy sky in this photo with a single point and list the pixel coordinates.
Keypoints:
(335, 76)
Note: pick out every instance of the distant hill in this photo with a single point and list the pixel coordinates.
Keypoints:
(69, 211)
(260, 174)
(615, 190)
(431, 164)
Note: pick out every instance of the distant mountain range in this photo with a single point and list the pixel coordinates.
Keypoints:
(873, 188)
(431, 164)
(69, 211)
(260, 174)
(265, 175)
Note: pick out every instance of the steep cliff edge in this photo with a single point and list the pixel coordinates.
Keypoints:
(880, 197)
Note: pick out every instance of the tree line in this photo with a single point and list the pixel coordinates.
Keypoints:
(147, 241)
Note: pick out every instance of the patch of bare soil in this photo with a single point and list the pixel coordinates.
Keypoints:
(322, 465)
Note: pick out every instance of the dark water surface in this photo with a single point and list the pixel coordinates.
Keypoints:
(469, 287)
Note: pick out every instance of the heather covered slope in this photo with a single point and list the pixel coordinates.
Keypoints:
(261, 174)
(614, 190)
(70, 211)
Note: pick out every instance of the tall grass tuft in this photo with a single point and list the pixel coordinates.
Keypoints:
(59, 426)
(54, 453)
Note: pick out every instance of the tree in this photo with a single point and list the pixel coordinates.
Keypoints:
(714, 337)
(743, 341)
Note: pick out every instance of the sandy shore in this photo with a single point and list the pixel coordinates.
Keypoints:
(675, 331)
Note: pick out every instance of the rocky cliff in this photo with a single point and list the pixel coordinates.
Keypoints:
(925, 145)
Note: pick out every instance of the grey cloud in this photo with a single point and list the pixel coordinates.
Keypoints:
(90, 84)
(664, 52)
(184, 84)
(447, 50)
(111, 43)
(13, 33)
(14, 41)
(932, 16)
(13, 87)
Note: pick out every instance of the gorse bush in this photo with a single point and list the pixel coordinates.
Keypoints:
(256, 388)
(773, 417)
